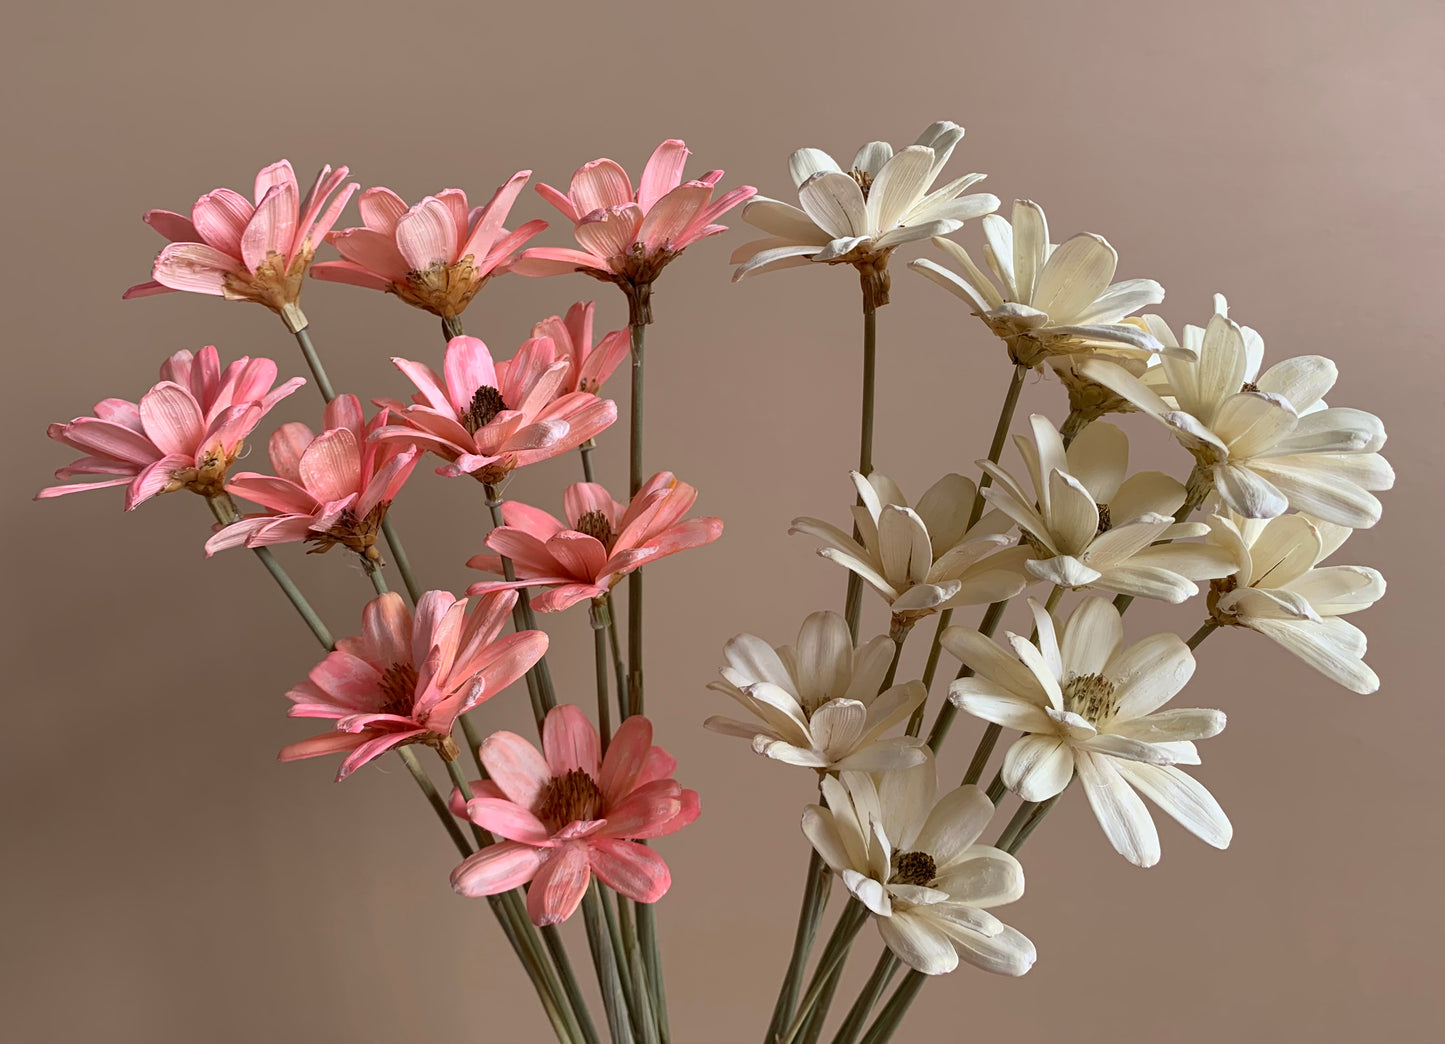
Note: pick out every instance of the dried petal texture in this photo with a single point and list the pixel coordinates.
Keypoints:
(1266, 442)
(1282, 591)
(242, 250)
(328, 489)
(592, 363)
(568, 811)
(820, 703)
(408, 675)
(861, 215)
(1046, 299)
(924, 558)
(628, 237)
(1090, 705)
(486, 418)
(911, 857)
(183, 434)
(435, 255)
(1087, 526)
(600, 543)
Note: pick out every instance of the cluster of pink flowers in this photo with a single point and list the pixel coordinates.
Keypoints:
(572, 810)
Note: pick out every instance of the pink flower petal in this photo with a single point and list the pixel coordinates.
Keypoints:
(147, 289)
(499, 258)
(529, 555)
(110, 440)
(494, 216)
(373, 749)
(548, 261)
(603, 360)
(176, 228)
(570, 741)
(344, 411)
(196, 267)
(565, 596)
(350, 274)
(325, 743)
(343, 675)
(509, 658)
(630, 869)
(374, 251)
(516, 767)
(509, 820)
(610, 233)
(580, 555)
(432, 387)
(559, 885)
(662, 174)
(331, 466)
(277, 174)
(582, 498)
(272, 228)
(599, 185)
(220, 216)
(287, 444)
(426, 235)
(277, 494)
(380, 209)
(672, 216)
(535, 521)
(560, 200)
(468, 367)
(455, 201)
(497, 868)
(646, 810)
(154, 479)
(624, 759)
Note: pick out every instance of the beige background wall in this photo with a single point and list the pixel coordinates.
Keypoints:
(164, 879)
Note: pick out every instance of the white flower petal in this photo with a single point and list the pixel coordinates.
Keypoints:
(1149, 674)
(982, 876)
(1037, 768)
(1092, 635)
(804, 163)
(1076, 273)
(835, 203)
(954, 824)
(1119, 810)
(1183, 798)
(918, 943)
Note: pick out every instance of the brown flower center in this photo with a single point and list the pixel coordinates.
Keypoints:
(568, 798)
(1249, 386)
(398, 688)
(357, 534)
(1091, 697)
(1105, 521)
(596, 524)
(485, 405)
(914, 868)
(864, 179)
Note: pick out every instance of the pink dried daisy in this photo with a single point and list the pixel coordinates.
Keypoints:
(592, 363)
(435, 255)
(183, 434)
(406, 678)
(487, 418)
(570, 811)
(604, 543)
(329, 489)
(628, 237)
(241, 251)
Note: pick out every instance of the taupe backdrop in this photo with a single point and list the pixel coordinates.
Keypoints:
(164, 879)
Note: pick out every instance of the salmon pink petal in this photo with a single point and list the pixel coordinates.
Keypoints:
(584, 414)
(519, 374)
(506, 819)
(387, 482)
(630, 869)
(150, 288)
(380, 209)
(565, 596)
(371, 250)
(455, 200)
(497, 868)
(307, 227)
(324, 743)
(658, 764)
(248, 379)
(695, 532)
(579, 322)
(570, 741)
(645, 809)
(528, 554)
(220, 216)
(432, 388)
(494, 216)
(196, 267)
(272, 228)
(547, 261)
(287, 444)
(662, 174)
(599, 185)
(624, 758)
(331, 466)
(109, 440)
(373, 749)
(559, 885)
(535, 521)
(516, 767)
(346, 676)
(277, 494)
(500, 256)
(78, 487)
(468, 367)
(344, 411)
(314, 234)
(543, 393)
(483, 624)
(479, 788)
(281, 529)
(376, 721)
(558, 199)
(719, 207)
(277, 174)
(437, 618)
(154, 479)
(580, 555)
(610, 233)
(672, 216)
(582, 498)
(175, 227)
(509, 658)
(603, 360)
(691, 809)
(427, 235)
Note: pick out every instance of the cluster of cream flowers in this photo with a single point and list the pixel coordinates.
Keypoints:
(1280, 481)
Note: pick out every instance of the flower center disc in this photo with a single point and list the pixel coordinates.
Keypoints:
(595, 524)
(485, 405)
(568, 798)
(398, 689)
(1091, 697)
(915, 868)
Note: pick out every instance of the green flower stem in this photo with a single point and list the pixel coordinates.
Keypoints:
(815, 898)
(1035, 818)
(652, 965)
(503, 908)
(1074, 423)
(374, 574)
(599, 619)
(619, 668)
(628, 955)
(1021, 816)
(982, 753)
(313, 360)
(1207, 628)
(224, 509)
(892, 1014)
(614, 1000)
(451, 326)
(849, 921)
(853, 600)
(637, 334)
(996, 790)
(398, 556)
(539, 678)
(883, 973)
(588, 474)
